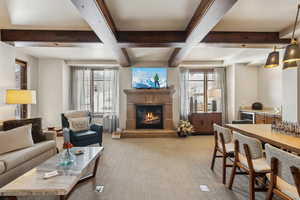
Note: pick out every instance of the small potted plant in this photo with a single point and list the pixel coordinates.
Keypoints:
(184, 128)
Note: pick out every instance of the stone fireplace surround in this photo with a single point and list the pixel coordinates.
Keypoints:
(163, 97)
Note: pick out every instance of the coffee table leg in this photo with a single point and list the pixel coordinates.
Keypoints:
(93, 174)
(96, 167)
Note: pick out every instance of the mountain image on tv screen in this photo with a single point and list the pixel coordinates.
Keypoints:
(149, 78)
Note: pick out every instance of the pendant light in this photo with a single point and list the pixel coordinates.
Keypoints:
(292, 51)
(273, 59)
(290, 65)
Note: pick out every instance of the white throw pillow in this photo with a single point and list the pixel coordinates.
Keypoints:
(79, 124)
(14, 139)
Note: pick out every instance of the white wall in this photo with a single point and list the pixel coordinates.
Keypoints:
(53, 94)
(125, 83)
(66, 78)
(290, 92)
(270, 86)
(242, 88)
(8, 55)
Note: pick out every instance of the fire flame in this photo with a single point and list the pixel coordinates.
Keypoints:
(149, 116)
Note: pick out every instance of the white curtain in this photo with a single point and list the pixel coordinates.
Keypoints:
(111, 100)
(184, 94)
(220, 83)
(97, 90)
(80, 88)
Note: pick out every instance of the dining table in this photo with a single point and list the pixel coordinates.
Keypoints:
(266, 134)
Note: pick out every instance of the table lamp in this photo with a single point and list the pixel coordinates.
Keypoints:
(15, 96)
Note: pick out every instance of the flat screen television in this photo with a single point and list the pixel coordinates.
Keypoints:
(149, 78)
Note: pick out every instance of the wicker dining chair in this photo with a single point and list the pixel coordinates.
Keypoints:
(223, 146)
(249, 158)
(285, 176)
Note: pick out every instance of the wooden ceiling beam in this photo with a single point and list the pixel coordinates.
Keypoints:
(96, 14)
(207, 15)
(13, 35)
(244, 38)
(133, 39)
(151, 38)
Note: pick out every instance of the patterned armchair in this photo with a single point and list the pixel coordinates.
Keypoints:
(91, 135)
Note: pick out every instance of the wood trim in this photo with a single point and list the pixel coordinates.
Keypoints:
(199, 13)
(222, 37)
(207, 15)
(107, 15)
(97, 16)
(24, 85)
(13, 35)
(127, 39)
(151, 38)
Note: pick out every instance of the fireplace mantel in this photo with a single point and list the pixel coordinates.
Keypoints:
(166, 91)
(162, 97)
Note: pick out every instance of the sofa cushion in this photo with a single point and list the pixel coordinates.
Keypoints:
(36, 131)
(15, 158)
(79, 124)
(84, 135)
(15, 139)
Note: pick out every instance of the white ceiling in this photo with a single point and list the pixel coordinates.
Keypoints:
(69, 53)
(149, 54)
(152, 14)
(41, 14)
(211, 53)
(246, 15)
(259, 15)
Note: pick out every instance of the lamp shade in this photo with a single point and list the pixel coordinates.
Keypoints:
(20, 97)
(272, 60)
(292, 53)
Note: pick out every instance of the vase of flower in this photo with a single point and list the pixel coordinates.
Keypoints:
(67, 157)
(184, 128)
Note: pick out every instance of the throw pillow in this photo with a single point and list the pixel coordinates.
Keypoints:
(36, 130)
(15, 139)
(79, 124)
(76, 114)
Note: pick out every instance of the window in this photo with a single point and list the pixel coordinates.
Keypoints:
(200, 82)
(21, 83)
(94, 90)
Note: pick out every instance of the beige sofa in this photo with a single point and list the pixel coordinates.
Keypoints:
(16, 163)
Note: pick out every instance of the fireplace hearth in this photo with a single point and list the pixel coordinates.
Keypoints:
(149, 117)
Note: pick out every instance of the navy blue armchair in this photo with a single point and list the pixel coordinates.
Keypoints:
(81, 138)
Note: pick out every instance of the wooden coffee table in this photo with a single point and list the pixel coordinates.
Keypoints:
(32, 184)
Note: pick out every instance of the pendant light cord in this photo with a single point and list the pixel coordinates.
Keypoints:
(296, 22)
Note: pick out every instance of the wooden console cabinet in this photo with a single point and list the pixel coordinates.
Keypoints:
(203, 122)
(266, 119)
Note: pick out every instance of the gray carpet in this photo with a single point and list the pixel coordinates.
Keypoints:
(160, 169)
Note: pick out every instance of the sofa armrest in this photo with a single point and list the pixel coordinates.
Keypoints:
(97, 127)
(50, 135)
